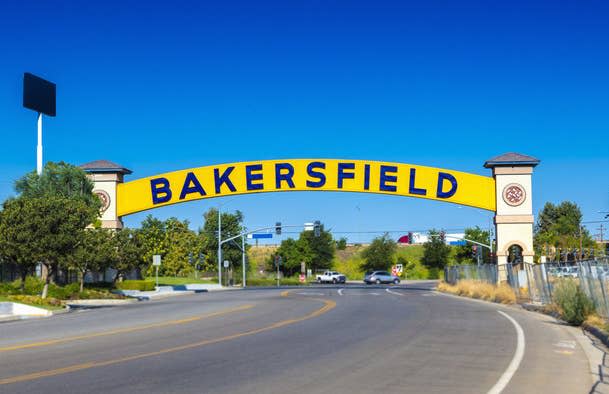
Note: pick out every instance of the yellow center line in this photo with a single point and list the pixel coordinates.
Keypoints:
(125, 330)
(328, 305)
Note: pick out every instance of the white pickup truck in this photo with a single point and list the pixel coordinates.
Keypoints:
(331, 277)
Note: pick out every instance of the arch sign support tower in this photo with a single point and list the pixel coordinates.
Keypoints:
(508, 192)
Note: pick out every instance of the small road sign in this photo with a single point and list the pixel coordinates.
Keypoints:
(226, 263)
(156, 260)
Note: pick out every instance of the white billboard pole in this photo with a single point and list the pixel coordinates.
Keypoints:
(39, 147)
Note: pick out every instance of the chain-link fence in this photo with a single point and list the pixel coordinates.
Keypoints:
(536, 282)
(484, 273)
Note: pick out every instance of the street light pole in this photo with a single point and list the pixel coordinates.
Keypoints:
(243, 258)
(219, 246)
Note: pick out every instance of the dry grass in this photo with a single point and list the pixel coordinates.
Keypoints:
(595, 320)
(502, 294)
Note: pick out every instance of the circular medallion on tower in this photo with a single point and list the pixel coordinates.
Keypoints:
(514, 194)
(104, 198)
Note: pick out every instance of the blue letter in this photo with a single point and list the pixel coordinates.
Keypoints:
(411, 188)
(442, 176)
(160, 186)
(345, 175)
(388, 178)
(316, 174)
(284, 177)
(367, 177)
(250, 177)
(219, 180)
(195, 188)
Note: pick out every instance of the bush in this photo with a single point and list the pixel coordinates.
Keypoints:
(35, 300)
(141, 285)
(66, 292)
(574, 305)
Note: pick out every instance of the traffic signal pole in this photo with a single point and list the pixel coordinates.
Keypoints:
(243, 235)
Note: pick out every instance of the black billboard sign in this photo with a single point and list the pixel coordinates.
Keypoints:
(38, 94)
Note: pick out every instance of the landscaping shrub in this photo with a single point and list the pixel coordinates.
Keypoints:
(574, 305)
(35, 300)
(141, 285)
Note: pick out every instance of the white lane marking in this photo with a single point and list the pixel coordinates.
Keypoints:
(565, 344)
(340, 292)
(394, 292)
(516, 360)
(374, 294)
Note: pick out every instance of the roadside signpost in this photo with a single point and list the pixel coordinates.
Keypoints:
(156, 262)
(226, 264)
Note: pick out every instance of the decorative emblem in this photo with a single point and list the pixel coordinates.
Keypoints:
(105, 199)
(514, 194)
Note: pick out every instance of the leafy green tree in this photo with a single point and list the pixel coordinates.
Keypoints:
(321, 248)
(232, 224)
(51, 227)
(181, 242)
(292, 253)
(341, 244)
(559, 226)
(66, 189)
(60, 180)
(128, 252)
(435, 251)
(14, 243)
(95, 252)
(152, 239)
(380, 254)
(464, 253)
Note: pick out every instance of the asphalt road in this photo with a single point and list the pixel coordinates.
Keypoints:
(340, 339)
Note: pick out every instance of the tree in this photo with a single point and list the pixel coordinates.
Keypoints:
(435, 250)
(181, 242)
(152, 240)
(51, 227)
(464, 253)
(232, 224)
(379, 255)
(341, 244)
(321, 248)
(53, 209)
(128, 252)
(559, 226)
(14, 243)
(95, 252)
(60, 180)
(292, 253)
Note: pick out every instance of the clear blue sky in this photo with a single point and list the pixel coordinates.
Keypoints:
(161, 87)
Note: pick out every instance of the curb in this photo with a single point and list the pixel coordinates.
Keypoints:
(602, 335)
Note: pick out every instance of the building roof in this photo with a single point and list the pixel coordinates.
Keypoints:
(511, 159)
(104, 166)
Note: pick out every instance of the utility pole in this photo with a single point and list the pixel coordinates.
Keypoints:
(601, 229)
(580, 244)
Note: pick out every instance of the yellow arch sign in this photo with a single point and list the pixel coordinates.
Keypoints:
(306, 175)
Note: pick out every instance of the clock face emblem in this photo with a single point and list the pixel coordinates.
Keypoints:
(105, 199)
(514, 194)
